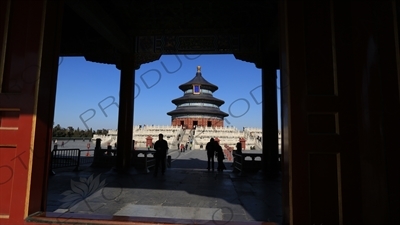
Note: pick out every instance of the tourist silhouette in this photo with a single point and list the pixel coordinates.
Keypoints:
(220, 157)
(210, 148)
(239, 147)
(161, 147)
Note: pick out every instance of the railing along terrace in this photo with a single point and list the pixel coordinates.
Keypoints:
(143, 159)
(86, 156)
(152, 127)
(61, 158)
(65, 158)
(247, 162)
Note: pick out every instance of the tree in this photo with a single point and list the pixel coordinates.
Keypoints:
(70, 131)
(59, 131)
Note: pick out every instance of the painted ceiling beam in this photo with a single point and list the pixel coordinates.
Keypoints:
(101, 22)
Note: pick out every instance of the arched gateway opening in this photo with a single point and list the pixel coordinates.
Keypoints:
(133, 51)
(340, 92)
(187, 180)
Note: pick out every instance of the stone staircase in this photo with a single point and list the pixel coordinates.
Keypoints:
(182, 140)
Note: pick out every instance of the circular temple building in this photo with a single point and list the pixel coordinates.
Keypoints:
(197, 106)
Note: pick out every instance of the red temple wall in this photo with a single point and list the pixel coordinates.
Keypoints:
(29, 48)
(188, 122)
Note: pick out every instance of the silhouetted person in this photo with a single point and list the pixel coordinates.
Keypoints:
(220, 157)
(210, 148)
(239, 147)
(161, 147)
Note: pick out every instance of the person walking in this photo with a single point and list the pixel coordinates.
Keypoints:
(210, 148)
(220, 157)
(161, 147)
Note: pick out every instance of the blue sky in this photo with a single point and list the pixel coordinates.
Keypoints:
(88, 93)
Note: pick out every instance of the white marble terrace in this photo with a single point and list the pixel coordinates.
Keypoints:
(228, 136)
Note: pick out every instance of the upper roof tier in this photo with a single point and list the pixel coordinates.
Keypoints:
(198, 79)
(205, 98)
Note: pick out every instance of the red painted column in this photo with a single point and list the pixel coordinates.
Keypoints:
(375, 46)
(29, 43)
(270, 150)
(340, 112)
(125, 113)
(46, 105)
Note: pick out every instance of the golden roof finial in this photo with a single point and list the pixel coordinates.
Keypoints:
(198, 69)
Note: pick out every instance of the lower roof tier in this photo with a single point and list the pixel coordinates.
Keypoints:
(198, 111)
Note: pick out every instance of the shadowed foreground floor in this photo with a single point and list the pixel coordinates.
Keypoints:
(187, 192)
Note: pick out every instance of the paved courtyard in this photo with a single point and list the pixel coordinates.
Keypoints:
(187, 193)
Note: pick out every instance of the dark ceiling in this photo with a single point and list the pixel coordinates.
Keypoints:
(103, 30)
